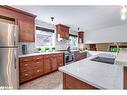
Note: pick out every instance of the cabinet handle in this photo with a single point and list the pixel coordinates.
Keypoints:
(37, 62)
(24, 70)
(37, 58)
(26, 74)
(26, 64)
(38, 70)
(26, 60)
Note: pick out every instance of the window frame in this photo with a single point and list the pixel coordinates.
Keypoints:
(75, 36)
(46, 30)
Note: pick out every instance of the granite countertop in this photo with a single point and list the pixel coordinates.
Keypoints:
(41, 53)
(100, 75)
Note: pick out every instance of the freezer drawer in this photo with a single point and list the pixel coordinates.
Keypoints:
(9, 69)
(8, 35)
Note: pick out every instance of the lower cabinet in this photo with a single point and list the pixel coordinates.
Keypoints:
(35, 66)
(79, 55)
(60, 60)
(47, 64)
(70, 82)
(54, 64)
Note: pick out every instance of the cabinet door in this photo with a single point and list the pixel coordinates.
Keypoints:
(63, 31)
(66, 33)
(38, 72)
(47, 64)
(27, 29)
(60, 60)
(80, 37)
(54, 65)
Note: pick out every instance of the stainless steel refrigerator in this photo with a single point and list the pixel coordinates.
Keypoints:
(9, 69)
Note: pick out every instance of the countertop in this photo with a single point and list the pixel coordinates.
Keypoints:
(43, 53)
(100, 75)
(34, 54)
(121, 58)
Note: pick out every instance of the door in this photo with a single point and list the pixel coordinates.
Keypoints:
(9, 75)
(8, 35)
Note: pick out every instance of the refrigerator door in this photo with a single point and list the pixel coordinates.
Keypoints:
(8, 35)
(9, 69)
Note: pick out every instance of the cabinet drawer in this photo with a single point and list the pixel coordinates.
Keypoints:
(38, 72)
(35, 58)
(25, 59)
(25, 66)
(25, 76)
(37, 64)
(61, 54)
(47, 56)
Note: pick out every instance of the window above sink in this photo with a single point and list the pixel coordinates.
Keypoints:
(44, 37)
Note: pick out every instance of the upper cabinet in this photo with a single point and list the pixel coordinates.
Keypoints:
(24, 20)
(27, 30)
(80, 37)
(63, 31)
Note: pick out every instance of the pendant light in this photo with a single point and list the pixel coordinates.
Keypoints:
(123, 12)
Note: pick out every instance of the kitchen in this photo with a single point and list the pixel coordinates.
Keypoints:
(59, 56)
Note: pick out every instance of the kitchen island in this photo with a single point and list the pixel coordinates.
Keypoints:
(89, 74)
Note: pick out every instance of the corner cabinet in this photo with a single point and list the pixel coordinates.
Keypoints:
(24, 20)
(63, 31)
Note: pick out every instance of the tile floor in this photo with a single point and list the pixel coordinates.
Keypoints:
(51, 81)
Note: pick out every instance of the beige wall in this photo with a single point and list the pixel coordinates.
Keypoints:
(102, 47)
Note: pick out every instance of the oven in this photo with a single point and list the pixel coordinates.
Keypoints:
(68, 58)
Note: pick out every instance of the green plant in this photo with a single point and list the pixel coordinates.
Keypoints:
(39, 49)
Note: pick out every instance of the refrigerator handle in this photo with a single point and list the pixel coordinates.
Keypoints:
(15, 59)
(15, 64)
(15, 29)
(14, 42)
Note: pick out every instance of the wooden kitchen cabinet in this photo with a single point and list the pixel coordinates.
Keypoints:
(63, 31)
(80, 37)
(27, 29)
(125, 78)
(47, 64)
(36, 66)
(79, 55)
(24, 20)
(30, 67)
(25, 76)
(70, 82)
(54, 65)
(60, 60)
(92, 47)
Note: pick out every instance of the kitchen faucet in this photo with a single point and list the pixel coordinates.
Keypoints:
(117, 47)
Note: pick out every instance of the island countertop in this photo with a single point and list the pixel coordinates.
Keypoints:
(100, 75)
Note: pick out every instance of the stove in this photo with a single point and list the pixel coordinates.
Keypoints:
(68, 57)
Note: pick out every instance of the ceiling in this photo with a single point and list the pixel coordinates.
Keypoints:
(88, 18)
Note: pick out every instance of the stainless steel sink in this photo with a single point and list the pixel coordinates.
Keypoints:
(104, 60)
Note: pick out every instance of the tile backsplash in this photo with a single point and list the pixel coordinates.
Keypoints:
(62, 45)
(30, 47)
